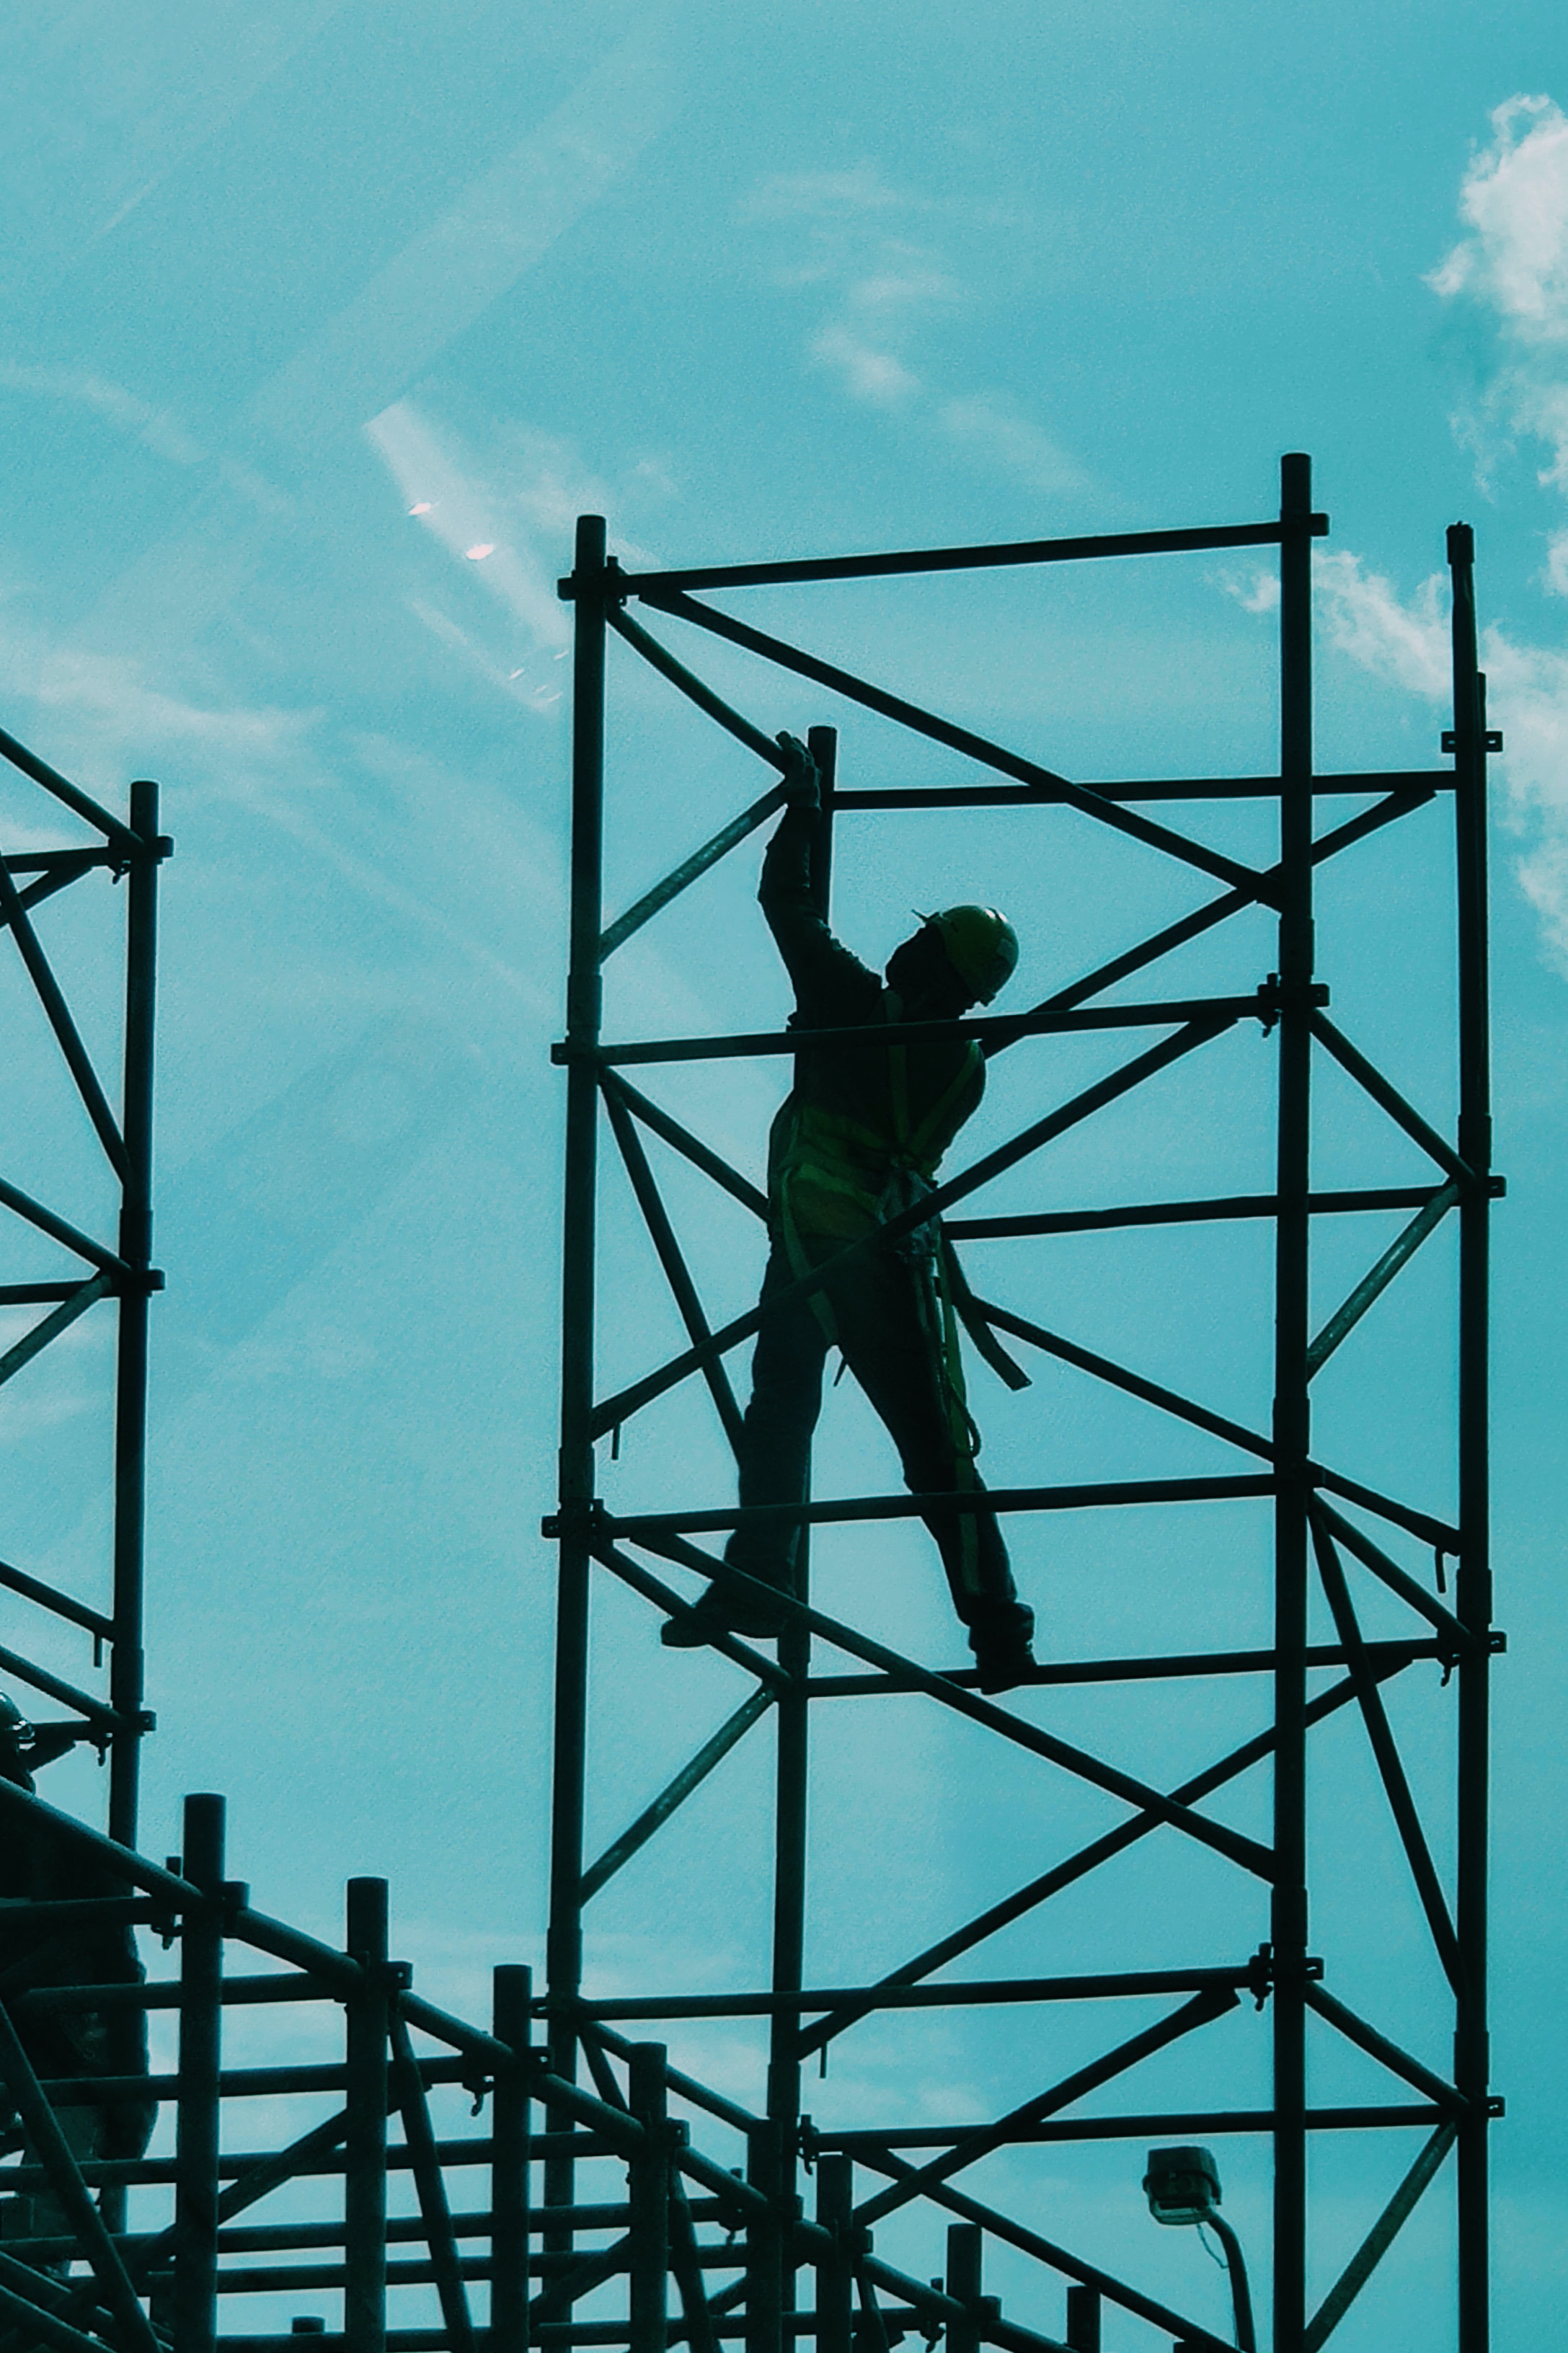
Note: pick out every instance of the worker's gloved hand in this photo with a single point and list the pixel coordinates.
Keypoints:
(802, 785)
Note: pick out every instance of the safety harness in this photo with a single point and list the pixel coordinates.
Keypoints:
(876, 1176)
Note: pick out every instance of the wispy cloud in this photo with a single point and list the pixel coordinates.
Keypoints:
(866, 372)
(869, 252)
(157, 429)
(819, 196)
(992, 428)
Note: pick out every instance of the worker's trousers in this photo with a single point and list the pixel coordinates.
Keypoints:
(886, 1320)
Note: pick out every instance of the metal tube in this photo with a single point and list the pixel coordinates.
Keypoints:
(671, 1258)
(102, 819)
(584, 998)
(67, 1036)
(125, 1683)
(764, 2248)
(364, 2154)
(956, 559)
(1240, 2292)
(1083, 2318)
(649, 2182)
(834, 2270)
(1031, 2243)
(430, 2188)
(1201, 2010)
(1117, 815)
(1473, 1598)
(1416, 786)
(201, 2058)
(1292, 1426)
(674, 1794)
(512, 2016)
(1378, 2239)
(993, 1031)
(965, 2243)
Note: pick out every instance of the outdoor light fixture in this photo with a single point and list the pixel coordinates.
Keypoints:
(1182, 2185)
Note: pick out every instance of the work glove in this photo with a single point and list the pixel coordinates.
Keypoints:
(802, 785)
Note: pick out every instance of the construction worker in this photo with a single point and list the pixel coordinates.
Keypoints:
(40, 1866)
(858, 1141)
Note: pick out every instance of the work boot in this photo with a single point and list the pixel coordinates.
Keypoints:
(753, 1615)
(1000, 1640)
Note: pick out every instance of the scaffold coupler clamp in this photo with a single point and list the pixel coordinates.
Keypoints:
(1276, 996)
(611, 583)
(1262, 1974)
(587, 1520)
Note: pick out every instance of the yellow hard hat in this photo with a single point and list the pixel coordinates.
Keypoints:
(981, 945)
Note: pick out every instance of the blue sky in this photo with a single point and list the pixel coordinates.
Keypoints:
(322, 322)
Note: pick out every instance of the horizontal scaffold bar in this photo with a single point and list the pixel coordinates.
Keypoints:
(1424, 781)
(985, 557)
(1125, 1984)
(1154, 1668)
(638, 1525)
(991, 1031)
(1179, 2124)
(1182, 1213)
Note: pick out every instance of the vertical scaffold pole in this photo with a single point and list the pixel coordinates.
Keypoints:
(649, 2192)
(364, 2150)
(966, 2255)
(197, 2126)
(793, 1711)
(834, 2270)
(125, 1688)
(1291, 1418)
(1474, 1595)
(511, 2018)
(565, 1952)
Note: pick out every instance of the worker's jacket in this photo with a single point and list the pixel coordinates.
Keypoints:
(863, 1129)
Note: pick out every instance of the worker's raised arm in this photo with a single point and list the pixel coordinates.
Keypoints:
(831, 985)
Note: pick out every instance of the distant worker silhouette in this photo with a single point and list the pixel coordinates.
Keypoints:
(66, 2042)
(858, 1141)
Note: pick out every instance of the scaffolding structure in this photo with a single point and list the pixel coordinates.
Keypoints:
(1320, 1514)
(435, 2184)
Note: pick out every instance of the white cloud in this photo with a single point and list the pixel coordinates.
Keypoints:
(1405, 643)
(1258, 593)
(867, 374)
(1515, 263)
(989, 427)
(1404, 640)
(1556, 575)
(1515, 198)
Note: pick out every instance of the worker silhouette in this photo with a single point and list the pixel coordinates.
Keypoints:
(65, 2043)
(856, 1142)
